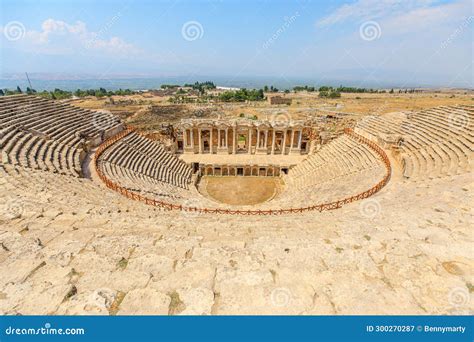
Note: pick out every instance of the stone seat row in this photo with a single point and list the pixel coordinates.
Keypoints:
(141, 155)
(143, 184)
(62, 122)
(44, 190)
(342, 156)
(436, 142)
(26, 149)
(427, 151)
(136, 162)
(330, 190)
(155, 150)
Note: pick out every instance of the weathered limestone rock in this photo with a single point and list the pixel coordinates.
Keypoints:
(80, 248)
(198, 301)
(144, 302)
(157, 266)
(97, 302)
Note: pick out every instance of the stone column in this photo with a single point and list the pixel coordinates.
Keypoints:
(210, 144)
(285, 132)
(299, 139)
(185, 132)
(292, 139)
(266, 140)
(219, 138)
(199, 140)
(273, 141)
(250, 140)
(226, 136)
(192, 138)
(234, 147)
(258, 137)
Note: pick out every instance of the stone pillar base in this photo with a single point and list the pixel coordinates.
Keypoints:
(295, 152)
(222, 150)
(189, 150)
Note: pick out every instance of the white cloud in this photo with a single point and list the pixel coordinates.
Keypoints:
(399, 15)
(370, 10)
(59, 37)
(434, 17)
(421, 41)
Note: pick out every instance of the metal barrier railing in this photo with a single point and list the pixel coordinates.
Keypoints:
(316, 207)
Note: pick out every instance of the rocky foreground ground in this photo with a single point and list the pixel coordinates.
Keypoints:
(407, 250)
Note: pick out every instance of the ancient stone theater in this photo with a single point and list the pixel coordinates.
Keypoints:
(233, 215)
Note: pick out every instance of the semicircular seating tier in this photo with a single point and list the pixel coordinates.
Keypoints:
(432, 143)
(141, 165)
(342, 168)
(43, 134)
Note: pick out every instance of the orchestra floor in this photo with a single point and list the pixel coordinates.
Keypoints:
(240, 190)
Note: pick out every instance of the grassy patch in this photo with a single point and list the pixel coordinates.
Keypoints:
(122, 264)
(72, 291)
(115, 306)
(176, 304)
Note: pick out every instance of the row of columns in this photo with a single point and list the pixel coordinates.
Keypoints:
(223, 143)
(219, 140)
(242, 170)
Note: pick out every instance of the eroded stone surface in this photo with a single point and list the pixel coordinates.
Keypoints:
(121, 257)
(145, 302)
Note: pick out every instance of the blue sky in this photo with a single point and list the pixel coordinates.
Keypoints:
(412, 42)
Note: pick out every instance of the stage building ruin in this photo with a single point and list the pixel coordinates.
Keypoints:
(243, 136)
